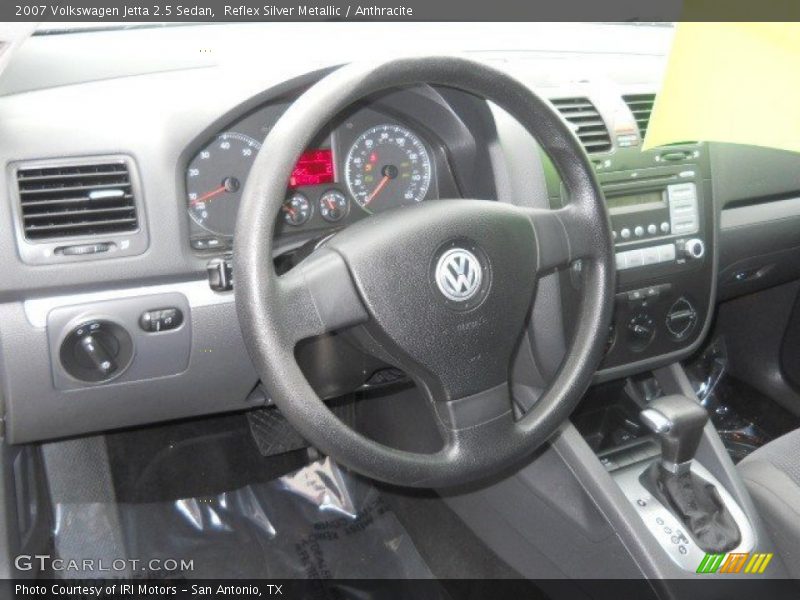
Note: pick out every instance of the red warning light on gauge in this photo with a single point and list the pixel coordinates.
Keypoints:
(314, 167)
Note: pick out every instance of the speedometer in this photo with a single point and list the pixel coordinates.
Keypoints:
(387, 166)
(215, 178)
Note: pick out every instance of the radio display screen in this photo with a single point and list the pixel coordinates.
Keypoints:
(636, 202)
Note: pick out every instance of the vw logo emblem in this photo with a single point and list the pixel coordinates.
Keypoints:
(458, 274)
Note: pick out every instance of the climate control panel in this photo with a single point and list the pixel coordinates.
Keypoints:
(651, 321)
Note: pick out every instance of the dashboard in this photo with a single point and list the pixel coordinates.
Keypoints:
(366, 162)
(179, 146)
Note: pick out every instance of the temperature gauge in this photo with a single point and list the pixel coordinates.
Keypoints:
(296, 210)
(333, 206)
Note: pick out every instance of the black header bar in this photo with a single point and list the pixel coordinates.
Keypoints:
(646, 11)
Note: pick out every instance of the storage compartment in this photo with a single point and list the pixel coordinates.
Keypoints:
(608, 419)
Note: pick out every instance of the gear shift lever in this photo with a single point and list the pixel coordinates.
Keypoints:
(678, 422)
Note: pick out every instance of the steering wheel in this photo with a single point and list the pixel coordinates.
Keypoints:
(444, 288)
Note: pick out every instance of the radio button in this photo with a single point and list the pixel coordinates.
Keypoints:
(651, 256)
(634, 259)
(682, 190)
(635, 295)
(682, 197)
(652, 229)
(664, 227)
(638, 231)
(666, 253)
(683, 209)
(625, 233)
(685, 226)
(654, 291)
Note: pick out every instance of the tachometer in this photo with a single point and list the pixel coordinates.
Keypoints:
(215, 178)
(387, 166)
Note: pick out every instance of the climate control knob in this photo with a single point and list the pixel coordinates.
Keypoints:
(641, 331)
(694, 248)
(681, 319)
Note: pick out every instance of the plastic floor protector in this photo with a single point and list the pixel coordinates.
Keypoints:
(317, 522)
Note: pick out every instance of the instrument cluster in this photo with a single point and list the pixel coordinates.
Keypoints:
(366, 162)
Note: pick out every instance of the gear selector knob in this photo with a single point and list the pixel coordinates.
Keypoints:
(678, 423)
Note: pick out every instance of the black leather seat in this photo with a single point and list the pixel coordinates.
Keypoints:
(772, 474)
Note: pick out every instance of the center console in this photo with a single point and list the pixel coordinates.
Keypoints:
(662, 220)
(663, 226)
(601, 496)
(680, 502)
(662, 223)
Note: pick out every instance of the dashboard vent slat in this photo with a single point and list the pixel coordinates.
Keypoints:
(76, 200)
(641, 106)
(588, 124)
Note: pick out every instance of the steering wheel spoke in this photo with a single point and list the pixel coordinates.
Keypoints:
(474, 411)
(565, 235)
(463, 420)
(318, 296)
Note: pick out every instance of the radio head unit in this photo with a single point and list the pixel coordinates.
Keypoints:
(662, 217)
(654, 212)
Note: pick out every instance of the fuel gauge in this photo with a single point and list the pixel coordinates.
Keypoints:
(296, 210)
(333, 206)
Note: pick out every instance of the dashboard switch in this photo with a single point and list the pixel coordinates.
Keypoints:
(81, 250)
(96, 351)
(162, 319)
(220, 274)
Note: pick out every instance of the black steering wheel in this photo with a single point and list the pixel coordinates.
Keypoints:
(444, 288)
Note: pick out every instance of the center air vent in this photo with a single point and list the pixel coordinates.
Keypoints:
(641, 106)
(76, 200)
(588, 124)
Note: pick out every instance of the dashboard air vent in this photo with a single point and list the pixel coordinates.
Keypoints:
(587, 122)
(76, 200)
(641, 106)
